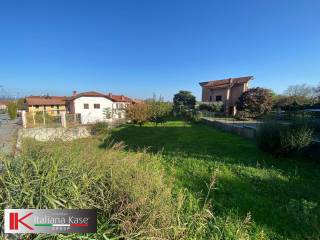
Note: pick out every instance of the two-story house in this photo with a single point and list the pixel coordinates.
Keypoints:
(97, 107)
(51, 105)
(226, 90)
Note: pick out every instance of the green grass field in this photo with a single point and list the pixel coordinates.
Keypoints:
(171, 181)
(281, 195)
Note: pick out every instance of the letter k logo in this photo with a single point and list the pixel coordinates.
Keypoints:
(15, 220)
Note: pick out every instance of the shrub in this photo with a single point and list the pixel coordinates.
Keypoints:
(12, 110)
(296, 138)
(99, 128)
(244, 115)
(256, 101)
(284, 139)
(212, 106)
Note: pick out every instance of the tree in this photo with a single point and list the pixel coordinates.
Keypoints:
(255, 102)
(317, 93)
(302, 94)
(138, 113)
(184, 99)
(158, 110)
(12, 109)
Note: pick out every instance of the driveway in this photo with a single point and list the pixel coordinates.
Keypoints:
(8, 130)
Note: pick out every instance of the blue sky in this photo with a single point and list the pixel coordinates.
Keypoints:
(138, 48)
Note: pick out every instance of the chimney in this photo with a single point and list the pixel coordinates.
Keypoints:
(122, 97)
(110, 94)
(74, 93)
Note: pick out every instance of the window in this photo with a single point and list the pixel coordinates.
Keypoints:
(37, 107)
(57, 107)
(96, 106)
(218, 98)
(52, 106)
(86, 106)
(210, 98)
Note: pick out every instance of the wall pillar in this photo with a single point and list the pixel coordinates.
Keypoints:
(227, 101)
(24, 118)
(63, 119)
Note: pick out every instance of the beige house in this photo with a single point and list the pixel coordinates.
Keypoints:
(52, 105)
(226, 90)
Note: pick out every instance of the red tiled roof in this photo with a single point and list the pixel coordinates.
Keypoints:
(228, 82)
(112, 97)
(86, 94)
(4, 102)
(119, 98)
(45, 100)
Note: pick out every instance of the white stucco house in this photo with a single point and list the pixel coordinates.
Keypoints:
(97, 107)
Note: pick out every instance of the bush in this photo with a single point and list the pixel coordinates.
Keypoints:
(211, 107)
(12, 110)
(244, 115)
(284, 139)
(296, 138)
(256, 101)
(99, 128)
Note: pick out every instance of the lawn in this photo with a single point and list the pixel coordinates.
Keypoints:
(280, 195)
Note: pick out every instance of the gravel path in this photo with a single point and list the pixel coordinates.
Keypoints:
(8, 130)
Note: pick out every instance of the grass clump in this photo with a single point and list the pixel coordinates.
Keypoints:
(133, 197)
(279, 138)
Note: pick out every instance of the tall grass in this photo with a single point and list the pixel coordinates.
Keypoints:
(133, 197)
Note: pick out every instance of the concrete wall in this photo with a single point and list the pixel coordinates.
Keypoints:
(235, 93)
(244, 131)
(51, 134)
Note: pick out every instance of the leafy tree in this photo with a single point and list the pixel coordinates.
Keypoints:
(138, 113)
(255, 101)
(184, 99)
(12, 109)
(158, 110)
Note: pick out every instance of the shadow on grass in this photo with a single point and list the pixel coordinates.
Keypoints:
(249, 179)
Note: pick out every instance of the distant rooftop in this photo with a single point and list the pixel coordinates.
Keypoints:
(223, 83)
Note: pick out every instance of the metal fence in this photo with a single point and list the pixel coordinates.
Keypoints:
(46, 119)
(281, 117)
(73, 119)
(43, 118)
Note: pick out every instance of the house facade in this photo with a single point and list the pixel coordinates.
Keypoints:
(3, 105)
(52, 105)
(97, 107)
(227, 91)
